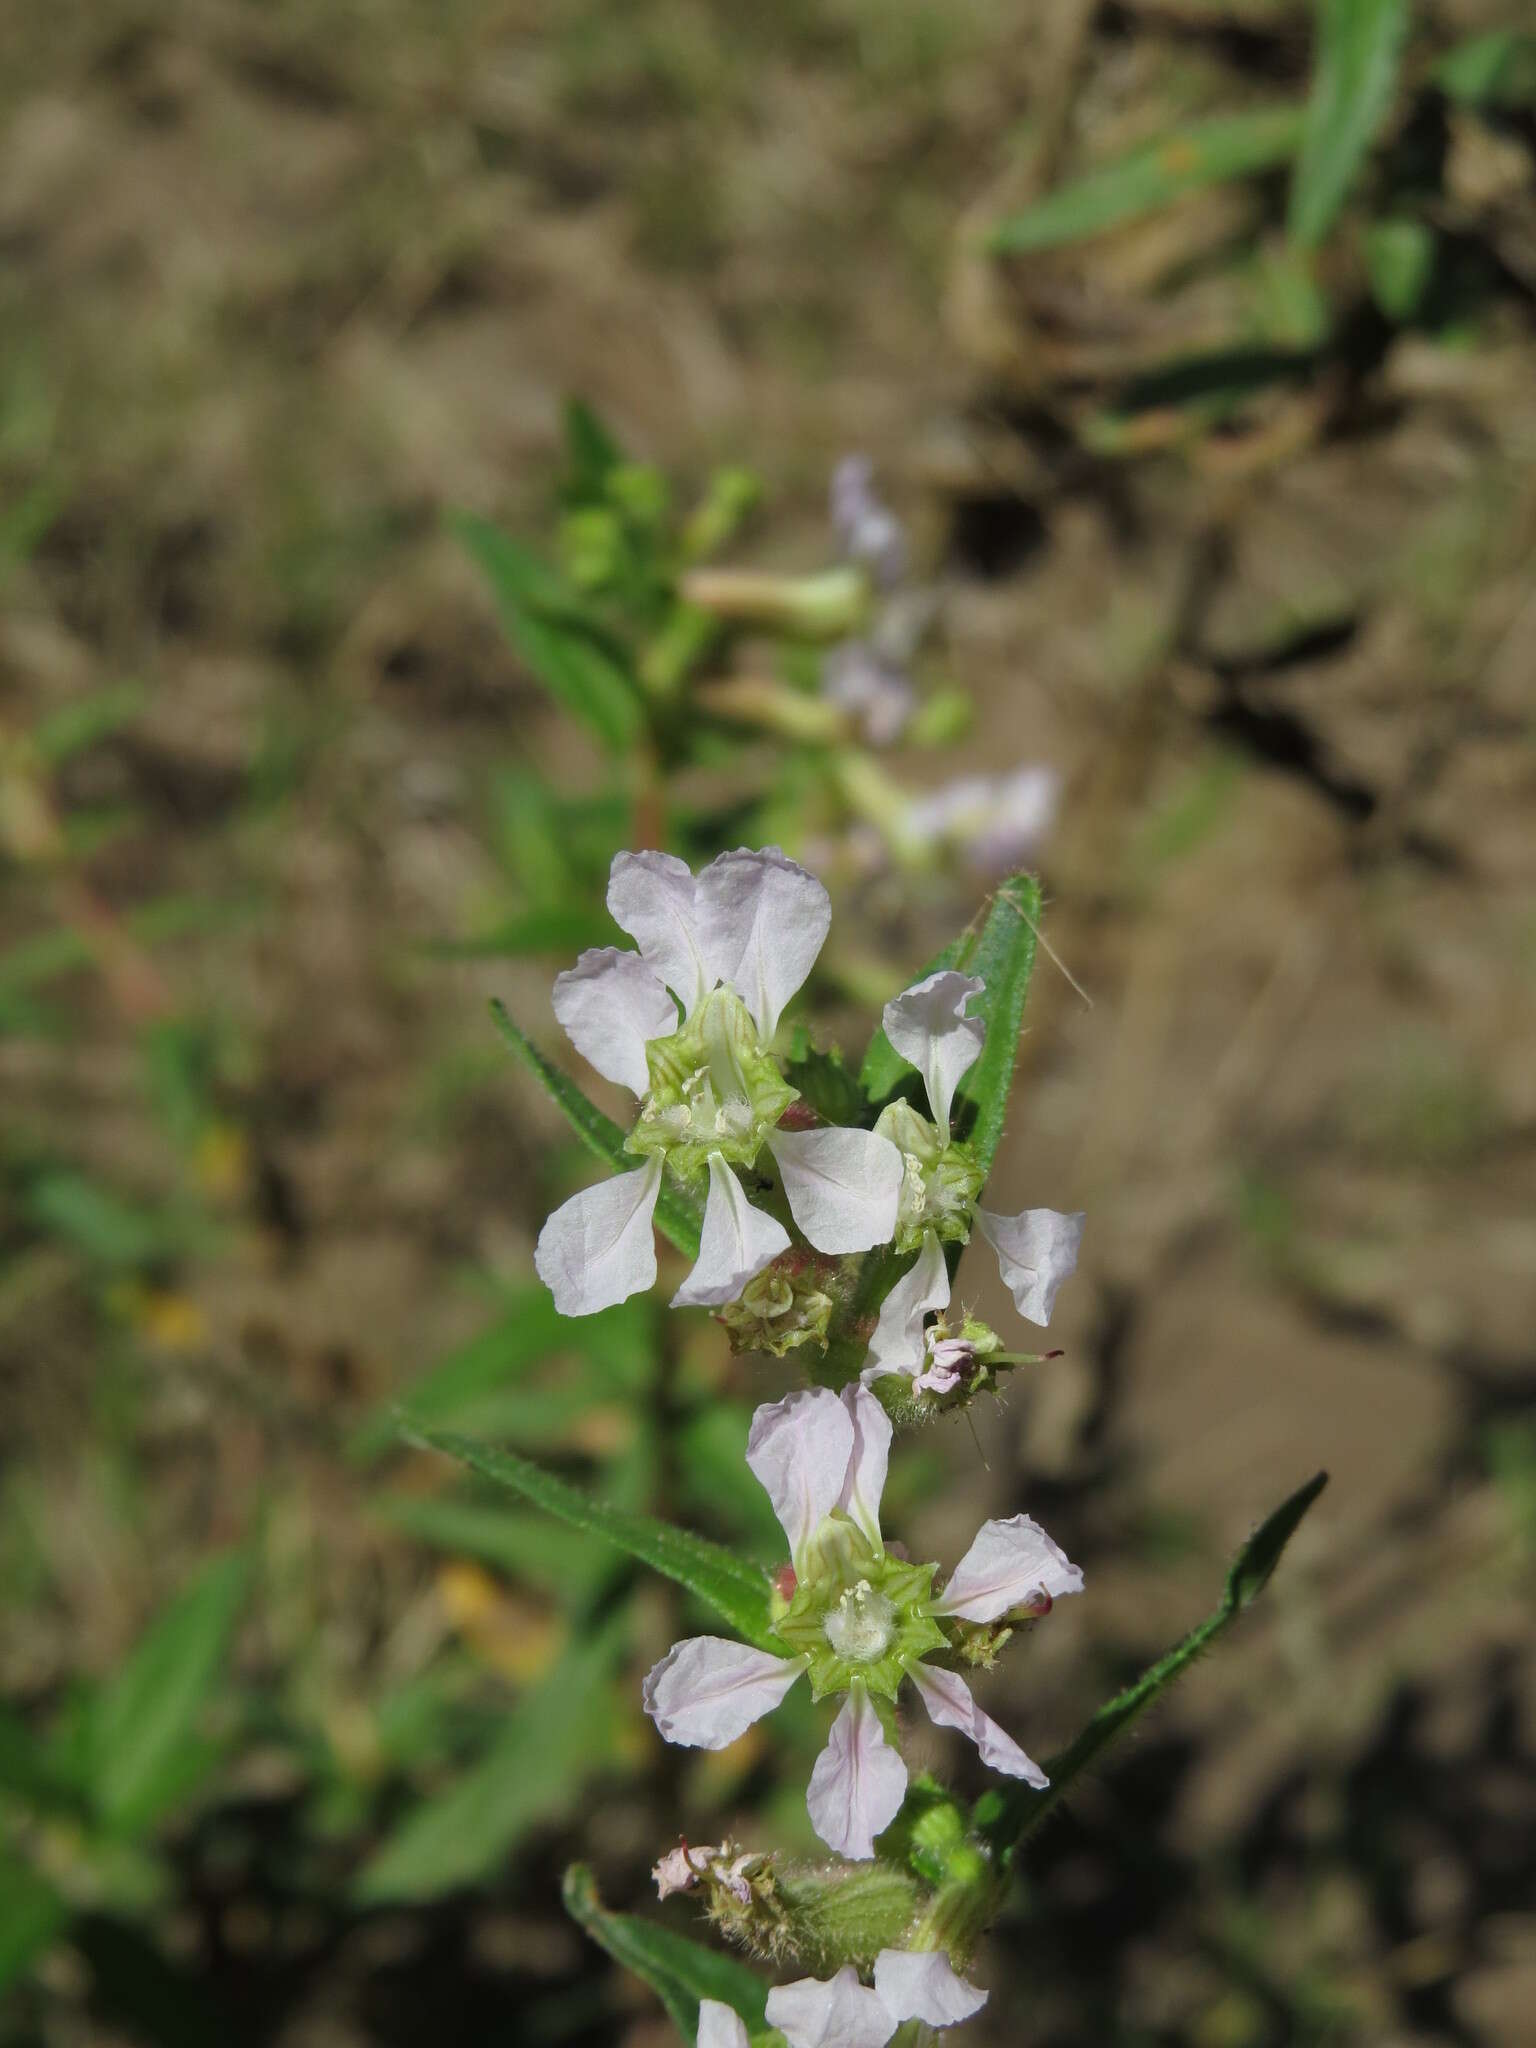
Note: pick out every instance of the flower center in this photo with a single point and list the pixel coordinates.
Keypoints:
(861, 1625)
(714, 1088)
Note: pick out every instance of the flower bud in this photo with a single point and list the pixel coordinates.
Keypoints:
(824, 607)
(787, 1305)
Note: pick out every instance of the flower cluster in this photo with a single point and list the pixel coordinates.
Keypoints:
(794, 1206)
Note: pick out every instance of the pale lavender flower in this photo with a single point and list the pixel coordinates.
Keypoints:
(842, 2012)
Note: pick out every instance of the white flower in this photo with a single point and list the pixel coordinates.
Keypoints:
(861, 1619)
(868, 532)
(995, 822)
(1036, 1250)
(751, 924)
(840, 2012)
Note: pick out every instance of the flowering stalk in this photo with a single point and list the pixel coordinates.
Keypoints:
(829, 1218)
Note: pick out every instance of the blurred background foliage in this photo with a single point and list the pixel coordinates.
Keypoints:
(400, 409)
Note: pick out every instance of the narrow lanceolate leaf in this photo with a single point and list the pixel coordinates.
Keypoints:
(736, 1590)
(677, 1218)
(1007, 1819)
(1495, 69)
(543, 623)
(1359, 45)
(144, 1723)
(1000, 952)
(681, 1972)
(556, 1738)
(1204, 153)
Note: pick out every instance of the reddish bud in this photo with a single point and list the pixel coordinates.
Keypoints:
(784, 1582)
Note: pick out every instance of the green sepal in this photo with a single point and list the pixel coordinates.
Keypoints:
(678, 1216)
(714, 1088)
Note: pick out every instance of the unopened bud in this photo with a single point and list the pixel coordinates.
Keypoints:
(825, 607)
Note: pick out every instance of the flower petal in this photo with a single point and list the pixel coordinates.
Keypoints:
(720, 2027)
(1006, 1564)
(927, 1025)
(842, 1185)
(859, 1781)
(611, 1005)
(798, 1450)
(737, 1241)
(897, 1345)
(597, 1248)
(865, 1480)
(867, 531)
(948, 1699)
(762, 920)
(1036, 1251)
(832, 2012)
(653, 897)
(708, 1690)
(923, 1985)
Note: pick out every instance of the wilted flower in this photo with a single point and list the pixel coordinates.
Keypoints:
(860, 1619)
(841, 2012)
(728, 949)
(1036, 1250)
(682, 1868)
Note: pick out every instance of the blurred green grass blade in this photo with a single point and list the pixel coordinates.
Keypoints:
(554, 1741)
(679, 1971)
(1001, 954)
(86, 719)
(677, 1218)
(106, 1227)
(592, 452)
(541, 1553)
(1007, 1819)
(1354, 77)
(552, 930)
(1497, 69)
(1400, 263)
(1210, 152)
(143, 1725)
(31, 1915)
(579, 674)
(734, 1588)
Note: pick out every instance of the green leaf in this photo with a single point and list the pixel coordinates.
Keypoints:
(474, 1389)
(1001, 954)
(543, 623)
(1400, 262)
(827, 1085)
(31, 1915)
(144, 1721)
(737, 1590)
(678, 1218)
(1008, 1819)
(1210, 152)
(591, 452)
(557, 1560)
(555, 1740)
(679, 1971)
(1493, 70)
(1359, 44)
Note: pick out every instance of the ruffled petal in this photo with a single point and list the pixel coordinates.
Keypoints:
(708, 1690)
(720, 2027)
(948, 1699)
(1036, 1251)
(611, 1005)
(923, 1985)
(597, 1248)
(737, 1241)
(831, 2012)
(842, 1185)
(859, 1781)
(927, 1025)
(897, 1345)
(762, 920)
(1007, 1563)
(798, 1450)
(865, 1480)
(652, 896)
